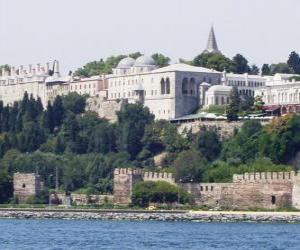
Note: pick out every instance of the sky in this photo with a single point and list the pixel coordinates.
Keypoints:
(78, 31)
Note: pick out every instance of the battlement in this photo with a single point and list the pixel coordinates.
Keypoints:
(153, 176)
(128, 171)
(146, 176)
(264, 177)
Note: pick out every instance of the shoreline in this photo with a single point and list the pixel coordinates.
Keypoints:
(160, 215)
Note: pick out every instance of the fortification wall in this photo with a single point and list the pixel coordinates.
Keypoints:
(81, 199)
(224, 129)
(249, 190)
(105, 108)
(124, 180)
(153, 176)
(264, 177)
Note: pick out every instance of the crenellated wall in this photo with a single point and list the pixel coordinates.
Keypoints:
(268, 190)
(264, 177)
(154, 176)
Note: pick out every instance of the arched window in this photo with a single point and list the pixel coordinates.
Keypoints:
(185, 86)
(162, 86)
(192, 86)
(168, 86)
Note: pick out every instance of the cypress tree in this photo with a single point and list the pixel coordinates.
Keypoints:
(234, 104)
(58, 111)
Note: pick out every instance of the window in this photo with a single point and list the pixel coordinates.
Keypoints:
(162, 86)
(168, 88)
(273, 199)
(24, 185)
(185, 86)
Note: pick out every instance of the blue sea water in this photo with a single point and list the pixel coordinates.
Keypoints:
(88, 234)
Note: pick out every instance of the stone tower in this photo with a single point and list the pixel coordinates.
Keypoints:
(26, 185)
(212, 46)
(124, 180)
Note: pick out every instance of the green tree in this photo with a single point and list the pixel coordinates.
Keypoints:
(207, 142)
(214, 61)
(73, 102)
(234, 104)
(241, 64)
(266, 70)
(280, 68)
(294, 62)
(254, 70)
(161, 60)
(189, 166)
(132, 121)
(58, 110)
(6, 187)
(158, 192)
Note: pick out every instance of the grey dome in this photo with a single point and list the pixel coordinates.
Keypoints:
(144, 61)
(125, 63)
(219, 88)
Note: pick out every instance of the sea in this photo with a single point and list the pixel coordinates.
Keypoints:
(96, 234)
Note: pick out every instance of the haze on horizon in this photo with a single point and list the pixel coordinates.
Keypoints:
(76, 32)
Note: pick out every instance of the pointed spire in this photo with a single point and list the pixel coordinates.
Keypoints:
(212, 46)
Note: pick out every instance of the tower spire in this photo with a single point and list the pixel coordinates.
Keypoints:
(212, 46)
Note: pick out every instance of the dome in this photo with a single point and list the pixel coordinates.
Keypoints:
(126, 62)
(219, 88)
(144, 61)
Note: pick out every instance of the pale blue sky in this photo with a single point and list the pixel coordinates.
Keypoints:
(78, 31)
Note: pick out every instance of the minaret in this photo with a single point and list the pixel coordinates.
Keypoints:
(212, 46)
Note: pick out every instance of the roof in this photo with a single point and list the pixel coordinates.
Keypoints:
(219, 88)
(125, 63)
(185, 68)
(212, 46)
(144, 61)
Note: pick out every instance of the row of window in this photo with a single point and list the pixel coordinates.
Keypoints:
(243, 83)
(282, 97)
(129, 82)
(247, 92)
(206, 188)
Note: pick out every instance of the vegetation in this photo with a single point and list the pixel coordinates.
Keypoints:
(148, 192)
(85, 149)
(105, 66)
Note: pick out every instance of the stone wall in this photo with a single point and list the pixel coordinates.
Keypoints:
(152, 176)
(124, 180)
(81, 199)
(224, 129)
(26, 185)
(105, 108)
(249, 190)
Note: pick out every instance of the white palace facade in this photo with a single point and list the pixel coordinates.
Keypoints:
(281, 93)
(169, 92)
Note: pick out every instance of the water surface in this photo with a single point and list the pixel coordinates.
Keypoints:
(88, 234)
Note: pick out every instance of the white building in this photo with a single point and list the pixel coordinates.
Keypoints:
(281, 93)
(168, 92)
(245, 83)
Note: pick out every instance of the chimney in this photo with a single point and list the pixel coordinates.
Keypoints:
(38, 67)
(21, 68)
(30, 68)
(56, 67)
(47, 67)
(13, 71)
